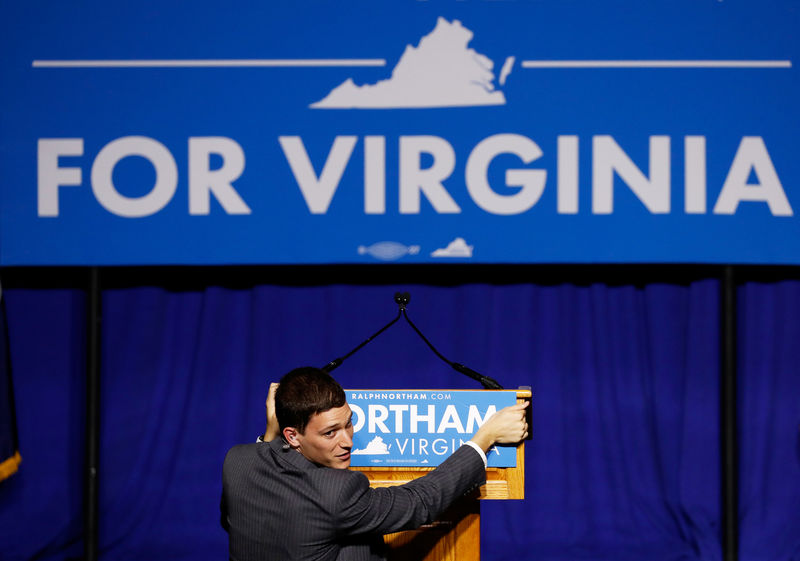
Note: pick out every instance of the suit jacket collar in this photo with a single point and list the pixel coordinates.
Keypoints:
(284, 453)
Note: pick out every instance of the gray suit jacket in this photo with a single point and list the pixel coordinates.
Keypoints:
(277, 505)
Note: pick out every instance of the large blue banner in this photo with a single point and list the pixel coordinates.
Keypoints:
(410, 131)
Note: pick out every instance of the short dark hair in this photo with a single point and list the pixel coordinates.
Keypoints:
(304, 392)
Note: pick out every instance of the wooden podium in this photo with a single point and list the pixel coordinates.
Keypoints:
(456, 536)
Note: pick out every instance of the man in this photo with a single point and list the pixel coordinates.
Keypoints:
(293, 498)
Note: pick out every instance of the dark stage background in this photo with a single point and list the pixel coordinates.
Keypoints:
(623, 362)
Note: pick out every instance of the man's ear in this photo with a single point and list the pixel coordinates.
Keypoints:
(290, 435)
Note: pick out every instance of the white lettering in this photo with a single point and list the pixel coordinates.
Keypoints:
(398, 418)
(50, 176)
(317, 191)
(377, 415)
(416, 418)
(608, 157)
(423, 446)
(358, 417)
(474, 419)
(203, 181)
(752, 155)
(374, 175)
(694, 175)
(450, 420)
(439, 446)
(567, 188)
(401, 447)
(531, 181)
(414, 180)
(134, 207)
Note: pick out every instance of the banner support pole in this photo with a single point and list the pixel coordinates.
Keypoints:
(728, 422)
(91, 485)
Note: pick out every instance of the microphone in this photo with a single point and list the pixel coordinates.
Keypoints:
(486, 381)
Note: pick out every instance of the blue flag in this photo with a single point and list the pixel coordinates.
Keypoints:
(9, 448)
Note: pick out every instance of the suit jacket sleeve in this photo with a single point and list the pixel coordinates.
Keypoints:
(363, 510)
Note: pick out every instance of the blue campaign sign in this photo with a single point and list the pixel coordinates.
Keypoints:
(412, 131)
(422, 427)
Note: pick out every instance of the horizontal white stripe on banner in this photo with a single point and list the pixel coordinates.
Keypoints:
(211, 63)
(656, 64)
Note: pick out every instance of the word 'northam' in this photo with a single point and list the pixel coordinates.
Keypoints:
(521, 190)
(411, 418)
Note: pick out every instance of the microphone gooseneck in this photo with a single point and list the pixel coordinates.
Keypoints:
(402, 300)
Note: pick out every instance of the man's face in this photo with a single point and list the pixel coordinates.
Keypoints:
(328, 438)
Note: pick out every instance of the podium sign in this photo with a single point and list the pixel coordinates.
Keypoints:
(422, 428)
(387, 422)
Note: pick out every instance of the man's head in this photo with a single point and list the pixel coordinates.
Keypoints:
(314, 417)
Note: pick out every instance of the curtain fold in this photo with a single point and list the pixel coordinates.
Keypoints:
(617, 468)
(769, 425)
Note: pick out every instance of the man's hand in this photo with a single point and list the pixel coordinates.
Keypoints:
(507, 426)
(272, 421)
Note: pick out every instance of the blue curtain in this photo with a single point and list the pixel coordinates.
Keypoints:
(40, 506)
(623, 463)
(769, 411)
